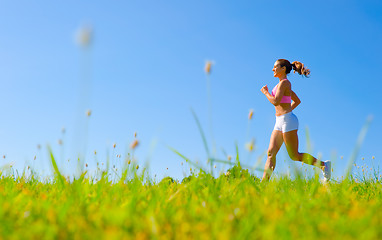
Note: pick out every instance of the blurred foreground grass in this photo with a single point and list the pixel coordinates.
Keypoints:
(233, 206)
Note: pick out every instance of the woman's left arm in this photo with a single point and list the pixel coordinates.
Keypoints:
(295, 99)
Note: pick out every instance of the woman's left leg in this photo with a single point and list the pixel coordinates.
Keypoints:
(291, 144)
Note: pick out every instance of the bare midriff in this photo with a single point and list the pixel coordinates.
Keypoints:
(283, 108)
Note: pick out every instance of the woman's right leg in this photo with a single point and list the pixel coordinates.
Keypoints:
(274, 146)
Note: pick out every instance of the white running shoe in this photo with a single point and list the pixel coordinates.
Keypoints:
(327, 170)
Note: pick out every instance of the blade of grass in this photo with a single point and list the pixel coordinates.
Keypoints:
(260, 158)
(237, 155)
(361, 138)
(185, 158)
(233, 164)
(308, 144)
(54, 164)
(201, 133)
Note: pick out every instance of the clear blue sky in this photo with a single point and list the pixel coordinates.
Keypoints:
(145, 70)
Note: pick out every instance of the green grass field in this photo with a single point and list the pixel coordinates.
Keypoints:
(129, 204)
(234, 205)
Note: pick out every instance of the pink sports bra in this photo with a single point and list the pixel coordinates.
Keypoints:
(284, 99)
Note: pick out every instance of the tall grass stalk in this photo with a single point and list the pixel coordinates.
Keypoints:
(358, 145)
(210, 117)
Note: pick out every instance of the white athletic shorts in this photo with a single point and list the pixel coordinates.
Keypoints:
(286, 123)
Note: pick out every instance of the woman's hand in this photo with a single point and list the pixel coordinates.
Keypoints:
(264, 89)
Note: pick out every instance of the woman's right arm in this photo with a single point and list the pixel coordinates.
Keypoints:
(295, 99)
(275, 100)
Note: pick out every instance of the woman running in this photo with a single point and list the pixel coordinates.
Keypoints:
(286, 126)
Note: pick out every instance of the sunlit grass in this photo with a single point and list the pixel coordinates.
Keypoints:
(231, 206)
